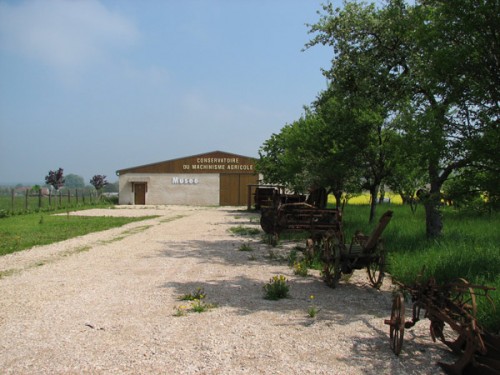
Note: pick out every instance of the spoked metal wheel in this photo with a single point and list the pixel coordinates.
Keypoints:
(376, 271)
(397, 323)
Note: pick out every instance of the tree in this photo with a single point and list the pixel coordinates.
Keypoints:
(74, 181)
(112, 187)
(278, 161)
(55, 179)
(337, 159)
(469, 58)
(362, 79)
(407, 173)
(308, 154)
(285, 158)
(420, 63)
(98, 182)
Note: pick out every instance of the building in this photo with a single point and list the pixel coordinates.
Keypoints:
(213, 179)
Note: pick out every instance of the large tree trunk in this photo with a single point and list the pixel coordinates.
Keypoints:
(433, 220)
(382, 194)
(433, 217)
(338, 199)
(373, 202)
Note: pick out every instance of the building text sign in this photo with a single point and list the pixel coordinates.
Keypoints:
(218, 164)
(184, 181)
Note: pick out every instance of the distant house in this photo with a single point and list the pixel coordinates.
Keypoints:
(21, 190)
(44, 191)
(215, 178)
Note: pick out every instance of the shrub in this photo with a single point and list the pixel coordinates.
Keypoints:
(276, 288)
(293, 257)
(197, 303)
(245, 247)
(199, 306)
(313, 309)
(197, 295)
(244, 231)
(300, 268)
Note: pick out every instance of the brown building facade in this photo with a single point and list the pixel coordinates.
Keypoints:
(212, 179)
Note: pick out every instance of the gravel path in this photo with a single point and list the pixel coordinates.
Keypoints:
(106, 303)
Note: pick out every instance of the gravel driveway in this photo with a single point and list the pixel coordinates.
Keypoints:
(108, 303)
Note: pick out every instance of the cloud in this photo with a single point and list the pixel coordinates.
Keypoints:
(64, 35)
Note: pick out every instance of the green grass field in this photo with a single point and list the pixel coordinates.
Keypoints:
(469, 248)
(22, 232)
(22, 204)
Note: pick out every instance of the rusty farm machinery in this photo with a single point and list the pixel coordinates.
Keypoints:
(326, 237)
(453, 304)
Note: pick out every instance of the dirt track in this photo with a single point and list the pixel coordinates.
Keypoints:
(106, 303)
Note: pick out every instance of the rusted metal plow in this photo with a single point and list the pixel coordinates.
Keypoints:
(300, 217)
(452, 304)
(327, 237)
(364, 251)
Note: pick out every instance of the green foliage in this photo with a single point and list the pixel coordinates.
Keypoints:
(18, 205)
(197, 305)
(74, 181)
(200, 306)
(244, 231)
(413, 88)
(294, 156)
(277, 288)
(198, 294)
(473, 189)
(245, 247)
(112, 187)
(313, 310)
(25, 231)
(407, 172)
(293, 256)
(300, 268)
(469, 248)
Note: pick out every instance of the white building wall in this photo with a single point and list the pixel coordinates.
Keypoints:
(184, 189)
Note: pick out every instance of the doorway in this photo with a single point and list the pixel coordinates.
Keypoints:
(233, 188)
(140, 189)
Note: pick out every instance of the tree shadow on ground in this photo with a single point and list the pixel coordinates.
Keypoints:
(245, 295)
(343, 306)
(417, 353)
(239, 288)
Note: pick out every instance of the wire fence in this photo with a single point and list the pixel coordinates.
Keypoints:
(14, 201)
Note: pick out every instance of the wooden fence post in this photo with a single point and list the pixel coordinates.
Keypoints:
(26, 200)
(40, 198)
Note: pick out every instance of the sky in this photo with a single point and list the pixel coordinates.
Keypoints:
(99, 85)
